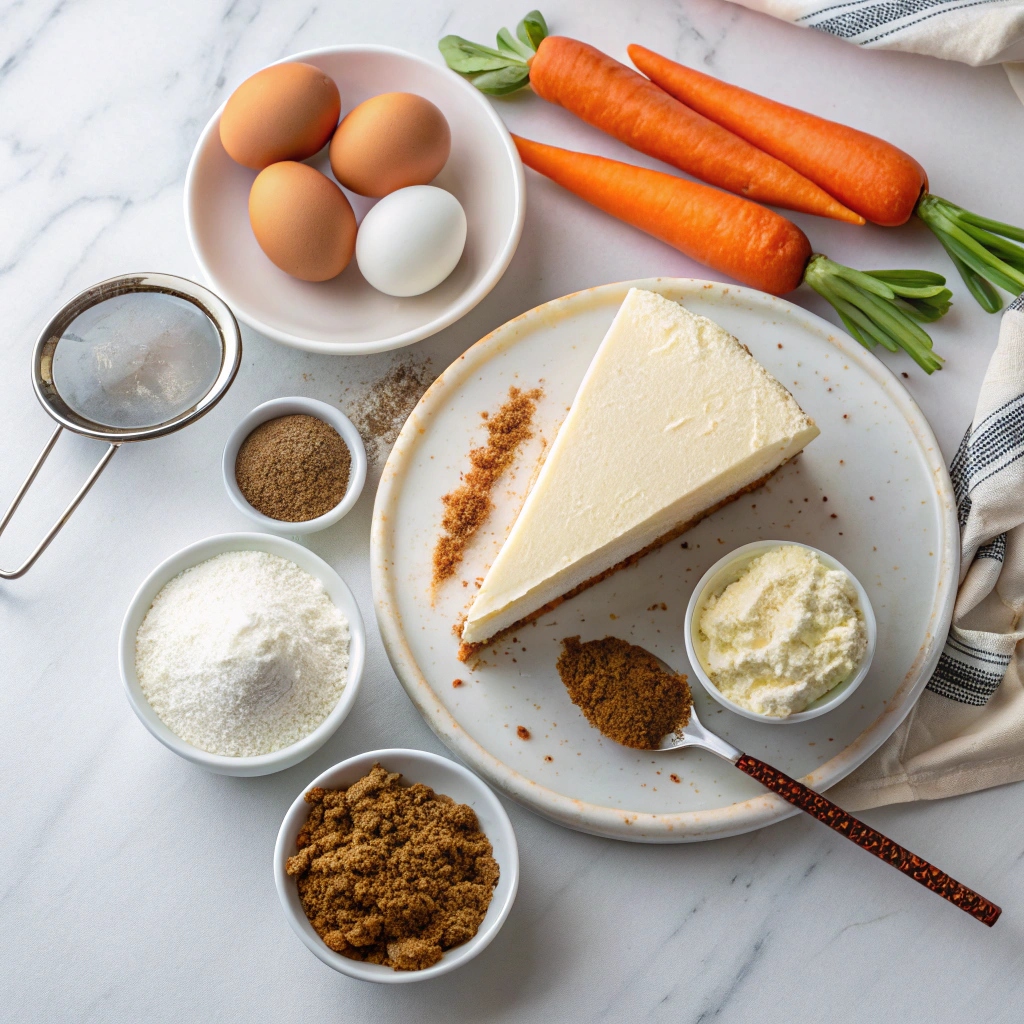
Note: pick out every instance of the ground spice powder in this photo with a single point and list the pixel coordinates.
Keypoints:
(466, 508)
(293, 468)
(380, 412)
(624, 691)
(392, 874)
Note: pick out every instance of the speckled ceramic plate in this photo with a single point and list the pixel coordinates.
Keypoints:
(872, 490)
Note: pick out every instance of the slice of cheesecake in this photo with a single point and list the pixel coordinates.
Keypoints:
(674, 418)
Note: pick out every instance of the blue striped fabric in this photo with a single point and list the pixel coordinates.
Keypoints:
(973, 662)
(867, 21)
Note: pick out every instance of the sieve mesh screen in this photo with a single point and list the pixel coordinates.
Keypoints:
(137, 360)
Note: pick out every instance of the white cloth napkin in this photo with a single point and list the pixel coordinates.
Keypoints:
(967, 730)
(972, 31)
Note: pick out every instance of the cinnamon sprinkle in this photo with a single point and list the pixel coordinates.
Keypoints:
(468, 506)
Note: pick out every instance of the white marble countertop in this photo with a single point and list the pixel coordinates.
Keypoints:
(138, 887)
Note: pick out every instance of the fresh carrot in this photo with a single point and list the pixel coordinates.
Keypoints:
(752, 244)
(749, 242)
(629, 107)
(871, 176)
(867, 174)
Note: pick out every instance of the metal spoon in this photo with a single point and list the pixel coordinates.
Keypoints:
(693, 734)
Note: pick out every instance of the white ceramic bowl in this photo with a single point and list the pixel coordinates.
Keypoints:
(727, 570)
(289, 407)
(346, 315)
(264, 764)
(443, 776)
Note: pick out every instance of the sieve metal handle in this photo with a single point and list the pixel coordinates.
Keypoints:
(13, 574)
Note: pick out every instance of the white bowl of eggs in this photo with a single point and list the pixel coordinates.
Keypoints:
(359, 236)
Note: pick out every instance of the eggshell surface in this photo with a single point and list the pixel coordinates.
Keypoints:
(284, 112)
(302, 221)
(411, 240)
(390, 142)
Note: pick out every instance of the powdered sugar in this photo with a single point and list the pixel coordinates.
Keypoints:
(243, 654)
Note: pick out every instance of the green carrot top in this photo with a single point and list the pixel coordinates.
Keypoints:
(500, 71)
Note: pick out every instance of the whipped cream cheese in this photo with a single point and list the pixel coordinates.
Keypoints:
(786, 632)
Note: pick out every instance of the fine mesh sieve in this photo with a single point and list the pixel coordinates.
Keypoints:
(130, 358)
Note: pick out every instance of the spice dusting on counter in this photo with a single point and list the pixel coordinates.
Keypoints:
(380, 413)
(391, 874)
(466, 508)
(623, 690)
(293, 468)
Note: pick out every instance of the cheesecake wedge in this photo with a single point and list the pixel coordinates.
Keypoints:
(674, 418)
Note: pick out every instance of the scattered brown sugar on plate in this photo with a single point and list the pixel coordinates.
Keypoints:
(624, 691)
(391, 874)
(468, 506)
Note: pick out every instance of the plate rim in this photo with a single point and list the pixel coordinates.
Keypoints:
(410, 337)
(645, 826)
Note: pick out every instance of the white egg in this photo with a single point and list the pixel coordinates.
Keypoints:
(411, 240)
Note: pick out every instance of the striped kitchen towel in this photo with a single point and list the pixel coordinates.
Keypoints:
(972, 31)
(967, 730)
(988, 481)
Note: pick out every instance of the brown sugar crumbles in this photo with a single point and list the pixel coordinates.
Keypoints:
(466, 508)
(624, 691)
(392, 874)
(293, 468)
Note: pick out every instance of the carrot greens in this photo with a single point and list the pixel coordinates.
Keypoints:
(500, 71)
(884, 307)
(983, 250)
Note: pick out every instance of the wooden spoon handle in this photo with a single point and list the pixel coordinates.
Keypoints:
(868, 839)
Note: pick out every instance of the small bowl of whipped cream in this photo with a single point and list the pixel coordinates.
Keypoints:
(780, 632)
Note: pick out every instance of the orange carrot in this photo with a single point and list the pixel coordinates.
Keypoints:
(865, 173)
(733, 235)
(868, 174)
(614, 98)
(617, 100)
(753, 245)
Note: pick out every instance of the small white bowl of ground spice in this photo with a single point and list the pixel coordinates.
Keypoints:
(396, 866)
(294, 465)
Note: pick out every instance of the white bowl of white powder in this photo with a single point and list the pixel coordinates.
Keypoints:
(242, 653)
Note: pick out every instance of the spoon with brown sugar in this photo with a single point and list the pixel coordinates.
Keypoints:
(693, 734)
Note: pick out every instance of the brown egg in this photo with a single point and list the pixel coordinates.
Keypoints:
(302, 221)
(389, 142)
(284, 112)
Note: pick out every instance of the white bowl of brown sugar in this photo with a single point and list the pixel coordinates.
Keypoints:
(294, 465)
(442, 898)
